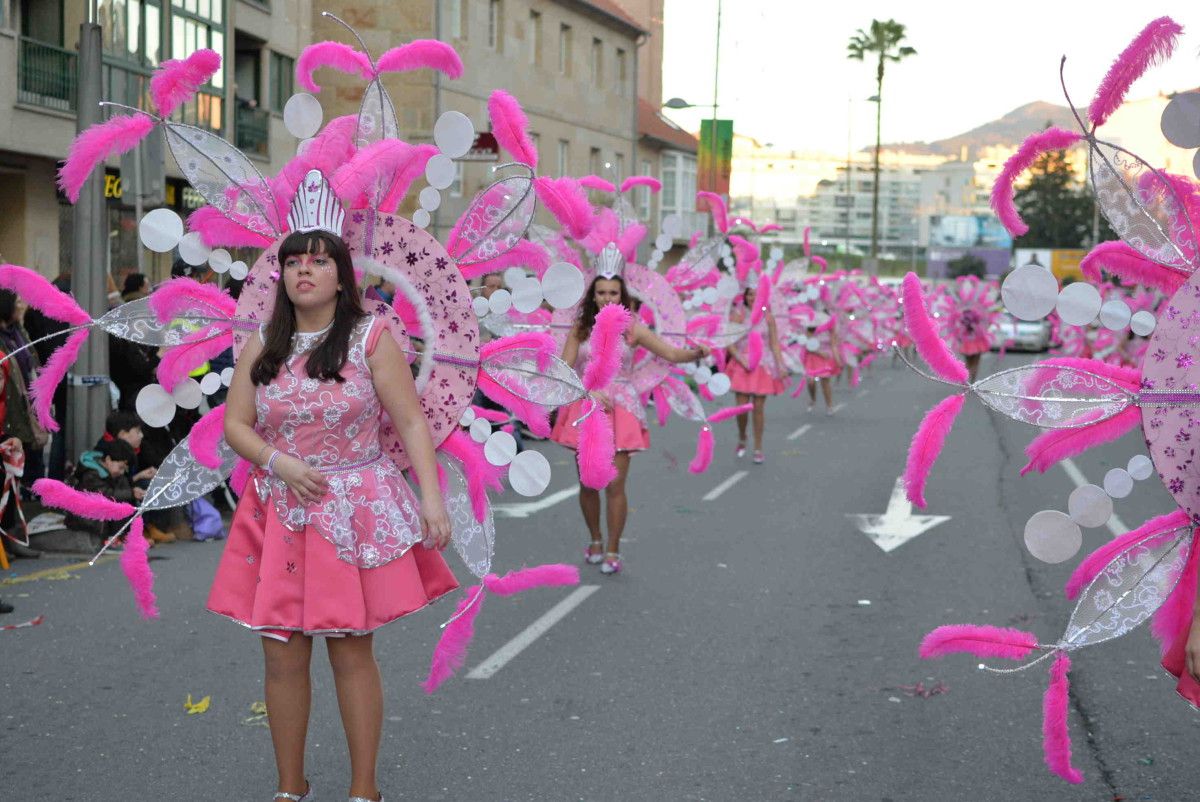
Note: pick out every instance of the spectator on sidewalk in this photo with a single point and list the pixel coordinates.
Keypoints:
(104, 470)
(162, 526)
(21, 422)
(38, 326)
(131, 365)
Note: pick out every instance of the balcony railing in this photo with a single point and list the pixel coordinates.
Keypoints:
(252, 129)
(46, 76)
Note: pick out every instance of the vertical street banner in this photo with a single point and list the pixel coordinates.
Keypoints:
(716, 157)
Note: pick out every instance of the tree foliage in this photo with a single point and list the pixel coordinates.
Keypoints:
(1058, 210)
(966, 265)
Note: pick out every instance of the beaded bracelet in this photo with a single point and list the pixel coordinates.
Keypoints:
(271, 463)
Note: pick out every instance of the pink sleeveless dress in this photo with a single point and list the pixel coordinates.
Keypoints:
(350, 562)
(766, 378)
(819, 363)
(628, 414)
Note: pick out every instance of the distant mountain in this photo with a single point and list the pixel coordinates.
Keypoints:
(1008, 130)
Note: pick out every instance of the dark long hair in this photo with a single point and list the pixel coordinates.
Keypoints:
(589, 309)
(326, 361)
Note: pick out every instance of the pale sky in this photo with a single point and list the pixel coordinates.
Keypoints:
(785, 78)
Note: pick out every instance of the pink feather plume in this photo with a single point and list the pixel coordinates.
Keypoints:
(42, 295)
(219, 231)
(177, 80)
(335, 55)
(597, 450)
(204, 439)
(925, 336)
(704, 451)
(534, 415)
(136, 567)
(431, 54)
(118, 135)
(180, 297)
(42, 388)
(820, 262)
(981, 641)
(1098, 560)
(492, 415)
(524, 254)
(381, 173)
(511, 127)
(762, 300)
(754, 350)
(480, 473)
(566, 200)
(240, 476)
(1056, 737)
(730, 412)
(807, 245)
(192, 352)
(451, 651)
(1173, 620)
(641, 181)
(607, 338)
(1053, 446)
(662, 407)
(81, 502)
(1118, 259)
(716, 205)
(1019, 162)
(1152, 46)
(597, 183)
(927, 446)
(551, 575)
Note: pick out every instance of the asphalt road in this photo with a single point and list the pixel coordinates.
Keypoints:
(757, 647)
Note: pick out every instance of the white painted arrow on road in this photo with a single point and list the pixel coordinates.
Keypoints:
(523, 509)
(897, 525)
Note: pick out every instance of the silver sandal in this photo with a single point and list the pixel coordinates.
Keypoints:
(364, 799)
(294, 797)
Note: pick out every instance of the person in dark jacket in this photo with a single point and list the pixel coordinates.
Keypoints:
(104, 470)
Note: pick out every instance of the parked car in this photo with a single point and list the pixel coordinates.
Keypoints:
(1020, 335)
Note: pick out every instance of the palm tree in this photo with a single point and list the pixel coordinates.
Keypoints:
(884, 40)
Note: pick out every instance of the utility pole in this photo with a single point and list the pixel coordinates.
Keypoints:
(716, 171)
(87, 395)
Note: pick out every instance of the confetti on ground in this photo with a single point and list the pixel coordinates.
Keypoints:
(925, 691)
(864, 602)
(197, 707)
(33, 622)
(780, 741)
(259, 719)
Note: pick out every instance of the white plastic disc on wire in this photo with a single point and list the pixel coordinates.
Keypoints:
(453, 133)
(1029, 292)
(500, 302)
(160, 230)
(1142, 323)
(718, 384)
(302, 115)
(672, 225)
(210, 383)
(527, 295)
(439, 171)
(1078, 304)
(663, 242)
(500, 448)
(220, 260)
(688, 303)
(703, 374)
(727, 261)
(529, 473)
(1115, 315)
(562, 285)
(512, 275)
(1052, 537)
(727, 286)
(1140, 467)
(1196, 164)
(430, 199)
(467, 418)
(481, 430)
(303, 145)
(481, 306)
(708, 295)
(776, 253)
(421, 218)
(1180, 122)
(1090, 506)
(187, 393)
(238, 271)
(155, 406)
(227, 376)
(812, 293)
(812, 344)
(688, 367)
(193, 250)
(726, 250)
(1118, 483)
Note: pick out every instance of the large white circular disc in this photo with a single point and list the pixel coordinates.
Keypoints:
(703, 374)
(302, 115)
(468, 417)
(1118, 483)
(709, 295)
(1140, 467)
(155, 406)
(430, 199)
(1142, 323)
(1114, 315)
(672, 225)
(562, 285)
(1180, 120)
(1052, 536)
(727, 286)
(500, 448)
(210, 383)
(1078, 304)
(421, 218)
(663, 242)
(227, 376)
(187, 393)
(776, 253)
(453, 133)
(527, 295)
(512, 275)
(220, 260)
(160, 230)
(1029, 292)
(481, 306)
(812, 344)
(718, 385)
(529, 473)
(481, 430)
(238, 271)
(439, 171)
(193, 250)
(500, 302)
(1089, 506)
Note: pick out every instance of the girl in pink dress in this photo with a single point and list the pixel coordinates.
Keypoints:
(753, 380)
(822, 360)
(328, 539)
(628, 414)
